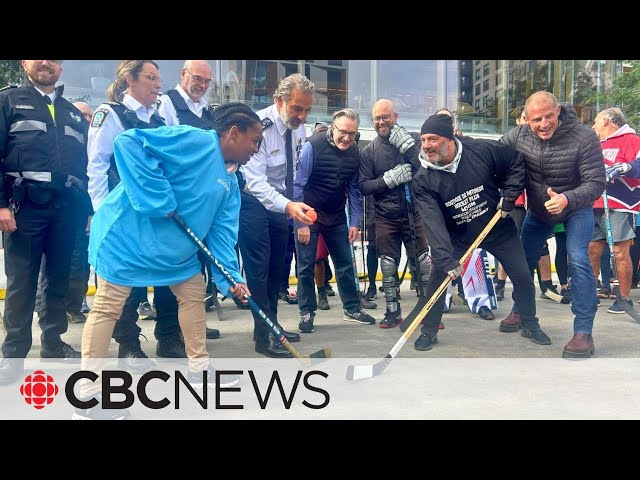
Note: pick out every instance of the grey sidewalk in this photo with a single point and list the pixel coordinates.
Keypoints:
(466, 335)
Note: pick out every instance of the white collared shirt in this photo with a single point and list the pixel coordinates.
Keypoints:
(53, 95)
(168, 111)
(266, 172)
(100, 146)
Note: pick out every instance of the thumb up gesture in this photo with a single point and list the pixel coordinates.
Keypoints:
(556, 203)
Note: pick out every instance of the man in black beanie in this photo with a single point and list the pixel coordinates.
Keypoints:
(457, 194)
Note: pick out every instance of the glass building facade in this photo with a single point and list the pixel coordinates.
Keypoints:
(485, 95)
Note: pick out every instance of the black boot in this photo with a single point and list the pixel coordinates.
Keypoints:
(271, 347)
(291, 336)
(425, 341)
(133, 359)
(171, 347)
(212, 333)
(323, 301)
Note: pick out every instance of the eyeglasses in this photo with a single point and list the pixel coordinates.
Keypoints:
(52, 62)
(344, 133)
(153, 77)
(382, 118)
(199, 79)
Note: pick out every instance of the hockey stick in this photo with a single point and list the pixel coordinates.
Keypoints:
(324, 353)
(357, 372)
(414, 241)
(362, 238)
(212, 301)
(364, 303)
(556, 297)
(633, 313)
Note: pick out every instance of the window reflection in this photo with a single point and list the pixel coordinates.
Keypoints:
(484, 94)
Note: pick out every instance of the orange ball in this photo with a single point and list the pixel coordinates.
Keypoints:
(312, 215)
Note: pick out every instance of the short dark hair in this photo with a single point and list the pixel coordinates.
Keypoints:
(226, 116)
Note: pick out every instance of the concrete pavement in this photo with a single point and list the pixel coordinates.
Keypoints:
(466, 335)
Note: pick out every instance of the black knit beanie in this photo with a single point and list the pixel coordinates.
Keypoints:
(440, 124)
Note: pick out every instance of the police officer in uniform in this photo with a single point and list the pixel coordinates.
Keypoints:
(266, 203)
(132, 98)
(185, 105)
(42, 202)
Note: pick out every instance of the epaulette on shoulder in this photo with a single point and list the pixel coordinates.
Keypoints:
(113, 103)
(11, 85)
(266, 123)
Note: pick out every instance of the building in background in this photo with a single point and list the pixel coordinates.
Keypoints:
(482, 93)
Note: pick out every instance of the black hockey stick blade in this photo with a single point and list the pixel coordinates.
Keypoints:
(304, 359)
(629, 310)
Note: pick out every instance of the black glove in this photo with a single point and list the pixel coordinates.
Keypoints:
(506, 206)
(401, 139)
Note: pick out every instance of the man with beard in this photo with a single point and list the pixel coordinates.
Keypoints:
(266, 204)
(457, 193)
(185, 105)
(383, 175)
(43, 202)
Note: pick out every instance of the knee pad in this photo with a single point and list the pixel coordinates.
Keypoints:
(389, 270)
(426, 266)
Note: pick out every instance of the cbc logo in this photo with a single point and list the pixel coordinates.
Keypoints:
(39, 389)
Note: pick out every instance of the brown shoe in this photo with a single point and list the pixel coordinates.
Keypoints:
(580, 346)
(511, 323)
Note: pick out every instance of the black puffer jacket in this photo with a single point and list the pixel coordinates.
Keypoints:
(570, 162)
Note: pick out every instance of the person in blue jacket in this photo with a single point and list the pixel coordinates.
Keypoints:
(166, 170)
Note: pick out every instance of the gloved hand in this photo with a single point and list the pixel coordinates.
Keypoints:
(397, 175)
(401, 139)
(456, 272)
(506, 206)
(617, 170)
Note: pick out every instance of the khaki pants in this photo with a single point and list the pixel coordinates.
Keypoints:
(107, 308)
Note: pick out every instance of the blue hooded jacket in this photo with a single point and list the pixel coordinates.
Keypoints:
(179, 168)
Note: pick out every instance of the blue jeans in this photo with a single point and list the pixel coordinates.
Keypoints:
(579, 230)
(337, 239)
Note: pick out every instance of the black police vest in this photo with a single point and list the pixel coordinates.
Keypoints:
(129, 120)
(186, 116)
(37, 147)
(332, 171)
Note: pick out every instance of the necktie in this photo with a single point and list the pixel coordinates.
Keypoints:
(289, 152)
(47, 99)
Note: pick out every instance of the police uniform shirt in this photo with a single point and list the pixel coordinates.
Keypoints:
(104, 128)
(266, 172)
(168, 111)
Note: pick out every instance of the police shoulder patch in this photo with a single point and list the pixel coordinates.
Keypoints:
(266, 123)
(99, 116)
